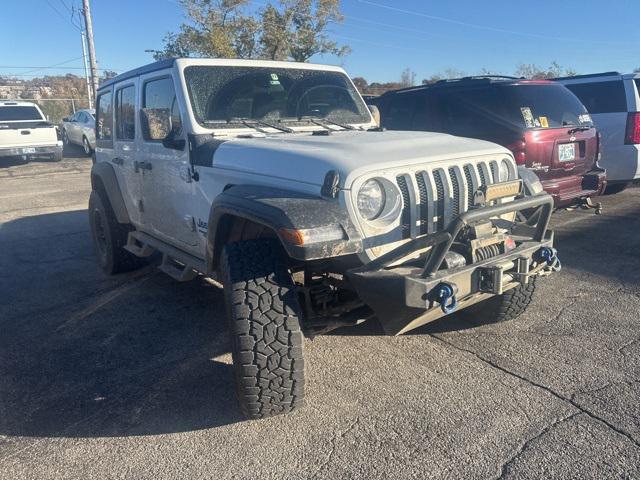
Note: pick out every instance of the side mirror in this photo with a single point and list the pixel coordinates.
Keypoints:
(65, 119)
(157, 125)
(375, 113)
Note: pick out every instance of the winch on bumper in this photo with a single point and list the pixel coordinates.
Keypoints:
(407, 296)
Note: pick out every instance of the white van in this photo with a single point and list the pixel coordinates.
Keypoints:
(25, 132)
(613, 102)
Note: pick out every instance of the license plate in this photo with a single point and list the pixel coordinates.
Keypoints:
(28, 150)
(567, 152)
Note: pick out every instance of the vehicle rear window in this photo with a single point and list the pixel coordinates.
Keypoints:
(543, 106)
(601, 97)
(17, 113)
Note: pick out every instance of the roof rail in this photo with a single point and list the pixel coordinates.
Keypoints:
(588, 75)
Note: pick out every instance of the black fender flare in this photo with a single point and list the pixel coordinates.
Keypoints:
(103, 178)
(282, 211)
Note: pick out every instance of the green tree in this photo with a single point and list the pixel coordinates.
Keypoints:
(287, 30)
(214, 28)
(534, 72)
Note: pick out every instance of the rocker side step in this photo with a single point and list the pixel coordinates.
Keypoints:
(177, 264)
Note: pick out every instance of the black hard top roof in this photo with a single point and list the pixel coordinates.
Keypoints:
(152, 67)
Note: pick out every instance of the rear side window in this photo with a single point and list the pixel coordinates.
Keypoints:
(601, 97)
(19, 114)
(160, 94)
(126, 113)
(104, 112)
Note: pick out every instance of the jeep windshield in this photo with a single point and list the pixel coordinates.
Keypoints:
(20, 113)
(237, 97)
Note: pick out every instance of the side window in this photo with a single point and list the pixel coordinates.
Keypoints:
(104, 112)
(126, 113)
(82, 117)
(601, 97)
(160, 96)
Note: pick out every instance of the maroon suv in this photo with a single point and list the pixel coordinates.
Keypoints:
(541, 122)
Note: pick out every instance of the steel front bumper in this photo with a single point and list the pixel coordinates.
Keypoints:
(31, 151)
(402, 297)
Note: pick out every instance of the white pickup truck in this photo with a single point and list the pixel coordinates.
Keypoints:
(25, 132)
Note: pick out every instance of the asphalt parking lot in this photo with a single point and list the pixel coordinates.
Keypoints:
(129, 376)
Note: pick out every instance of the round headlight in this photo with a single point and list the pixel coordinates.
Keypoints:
(505, 171)
(371, 199)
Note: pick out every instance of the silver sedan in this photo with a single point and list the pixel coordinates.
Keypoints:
(79, 129)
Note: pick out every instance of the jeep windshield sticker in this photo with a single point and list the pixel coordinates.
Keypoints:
(274, 79)
(544, 122)
(203, 227)
(527, 116)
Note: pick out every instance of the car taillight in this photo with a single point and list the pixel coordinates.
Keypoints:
(519, 151)
(632, 135)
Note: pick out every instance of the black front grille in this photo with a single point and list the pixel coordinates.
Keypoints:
(424, 203)
(437, 177)
(483, 180)
(405, 218)
(494, 172)
(456, 191)
(470, 191)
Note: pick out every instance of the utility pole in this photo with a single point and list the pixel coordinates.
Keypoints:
(86, 10)
(86, 69)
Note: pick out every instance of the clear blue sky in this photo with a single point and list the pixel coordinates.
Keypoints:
(386, 36)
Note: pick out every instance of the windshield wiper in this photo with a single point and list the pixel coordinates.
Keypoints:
(323, 123)
(579, 129)
(252, 123)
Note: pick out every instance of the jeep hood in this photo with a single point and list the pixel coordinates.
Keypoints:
(303, 157)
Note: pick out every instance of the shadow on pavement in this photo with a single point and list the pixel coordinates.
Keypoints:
(70, 151)
(86, 355)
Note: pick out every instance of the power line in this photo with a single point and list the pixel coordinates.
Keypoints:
(475, 25)
(60, 14)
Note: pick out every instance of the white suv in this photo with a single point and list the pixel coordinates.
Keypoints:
(614, 104)
(273, 178)
(25, 132)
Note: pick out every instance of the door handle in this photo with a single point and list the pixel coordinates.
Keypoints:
(137, 166)
(117, 161)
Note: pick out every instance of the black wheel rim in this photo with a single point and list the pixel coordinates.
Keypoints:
(100, 234)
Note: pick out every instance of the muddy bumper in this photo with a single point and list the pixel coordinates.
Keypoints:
(407, 296)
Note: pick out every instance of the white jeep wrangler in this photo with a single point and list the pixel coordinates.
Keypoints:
(274, 179)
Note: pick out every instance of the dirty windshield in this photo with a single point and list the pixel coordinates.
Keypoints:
(222, 95)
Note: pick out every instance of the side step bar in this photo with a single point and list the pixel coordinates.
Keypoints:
(177, 264)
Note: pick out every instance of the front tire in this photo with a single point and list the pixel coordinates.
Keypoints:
(86, 147)
(502, 308)
(109, 238)
(264, 323)
(65, 138)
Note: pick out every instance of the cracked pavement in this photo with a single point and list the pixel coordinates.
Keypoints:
(129, 377)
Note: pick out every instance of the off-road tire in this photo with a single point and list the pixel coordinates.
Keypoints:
(109, 238)
(501, 308)
(266, 340)
(57, 156)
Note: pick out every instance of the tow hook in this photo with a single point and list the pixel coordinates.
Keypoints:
(445, 295)
(550, 255)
